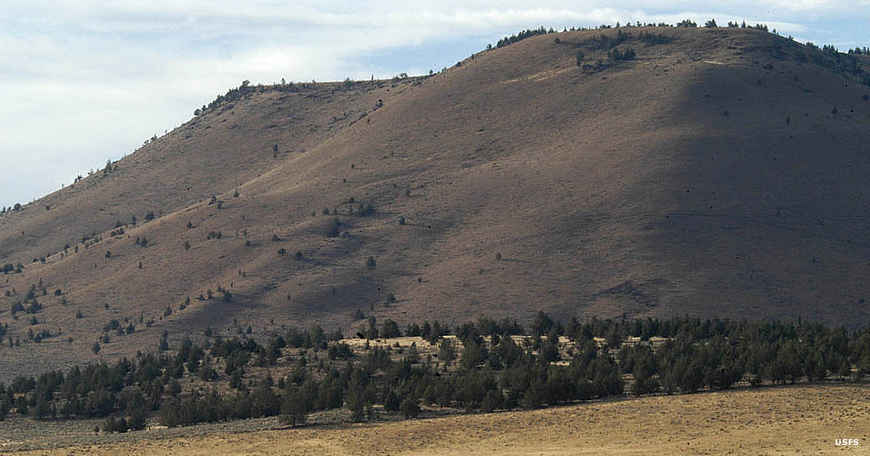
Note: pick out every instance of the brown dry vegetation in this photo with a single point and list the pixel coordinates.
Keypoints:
(667, 185)
(787, 420)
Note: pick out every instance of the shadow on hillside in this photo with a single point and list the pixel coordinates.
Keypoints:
(766, 206)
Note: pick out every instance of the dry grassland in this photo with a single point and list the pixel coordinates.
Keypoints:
(788, 420)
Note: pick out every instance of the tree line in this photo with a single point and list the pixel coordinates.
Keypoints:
(484, 365)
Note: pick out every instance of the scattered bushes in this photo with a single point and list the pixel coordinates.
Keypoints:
(625, 54)
(829, 57)
(365, 210)
(333, 228)
(654, 38)
(598, 66)
(606, 42)
(8, 268)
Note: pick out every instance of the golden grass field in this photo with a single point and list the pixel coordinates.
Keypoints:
(772, 421)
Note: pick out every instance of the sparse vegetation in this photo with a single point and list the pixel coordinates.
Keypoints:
(538, 370)
(625, 54)
(333, 229)
(654, 38)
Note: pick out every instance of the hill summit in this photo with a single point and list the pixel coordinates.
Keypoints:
(643, 171)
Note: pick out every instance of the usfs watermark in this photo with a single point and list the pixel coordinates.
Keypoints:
(847, 442)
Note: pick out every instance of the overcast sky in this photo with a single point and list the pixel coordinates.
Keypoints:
(83, 81)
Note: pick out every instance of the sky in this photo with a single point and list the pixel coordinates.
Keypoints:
(83, 82)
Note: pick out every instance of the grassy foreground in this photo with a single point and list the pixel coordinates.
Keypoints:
(786, 420)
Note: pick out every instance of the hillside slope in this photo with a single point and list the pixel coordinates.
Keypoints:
(722, 173)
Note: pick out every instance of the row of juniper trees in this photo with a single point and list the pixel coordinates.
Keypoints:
(481, 366)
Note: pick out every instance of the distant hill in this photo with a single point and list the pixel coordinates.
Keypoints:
(715, 172)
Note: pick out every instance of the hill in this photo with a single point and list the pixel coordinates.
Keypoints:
(717, 173)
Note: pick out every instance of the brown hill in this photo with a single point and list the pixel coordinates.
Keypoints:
(721, 173)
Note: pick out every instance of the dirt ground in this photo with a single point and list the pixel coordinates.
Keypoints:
(787, 420)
